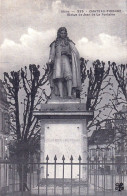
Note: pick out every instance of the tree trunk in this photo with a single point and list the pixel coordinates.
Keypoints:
(22, 171)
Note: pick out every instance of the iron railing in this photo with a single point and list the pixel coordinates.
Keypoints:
(97, 177)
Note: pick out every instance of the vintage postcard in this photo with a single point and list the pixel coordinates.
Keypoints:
(63, 97)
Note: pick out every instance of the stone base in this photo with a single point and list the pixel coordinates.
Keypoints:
(63, 101)
(64, 132)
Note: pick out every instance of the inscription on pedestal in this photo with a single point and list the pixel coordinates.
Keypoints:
(63, 139)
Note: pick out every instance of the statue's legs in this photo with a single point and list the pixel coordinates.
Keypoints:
(60, 87)
(69, 87)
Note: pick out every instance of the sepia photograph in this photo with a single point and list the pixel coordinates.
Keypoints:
(63, 98)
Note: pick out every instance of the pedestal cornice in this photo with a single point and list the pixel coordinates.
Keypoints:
(62, 110)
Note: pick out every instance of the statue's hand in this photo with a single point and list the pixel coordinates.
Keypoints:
(50, 65)
(50, 62)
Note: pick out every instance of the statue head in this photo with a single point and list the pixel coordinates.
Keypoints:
(62, 32)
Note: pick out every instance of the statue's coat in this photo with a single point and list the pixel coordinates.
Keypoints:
(55, 56)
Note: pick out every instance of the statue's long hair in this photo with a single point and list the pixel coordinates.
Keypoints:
(58, 39)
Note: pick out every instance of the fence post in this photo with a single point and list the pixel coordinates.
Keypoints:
(38, 172)
(13, 178)
(63, 158)
(96, 174)
(104, 172)
(47, 159)
(112, 172)
(79, 172)
(30, 170)
(88, 166)
(71, 159)
(22, 179)
(55, 159)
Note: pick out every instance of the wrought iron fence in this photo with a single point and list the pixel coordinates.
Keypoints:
(97, 177)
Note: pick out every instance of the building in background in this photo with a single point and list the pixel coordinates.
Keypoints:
(4, 133)
(120, 126)
(102, 147)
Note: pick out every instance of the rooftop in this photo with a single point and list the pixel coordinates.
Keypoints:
(101, 136)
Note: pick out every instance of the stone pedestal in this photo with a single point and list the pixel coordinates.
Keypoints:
(64, 132)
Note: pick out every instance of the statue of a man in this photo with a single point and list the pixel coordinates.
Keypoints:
(65, 64)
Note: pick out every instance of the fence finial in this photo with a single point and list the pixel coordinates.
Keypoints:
(71, 158)
(47, 158)
(79, 158)
(55, 158)
(63, 158)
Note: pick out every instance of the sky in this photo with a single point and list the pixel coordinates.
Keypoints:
(29, 26)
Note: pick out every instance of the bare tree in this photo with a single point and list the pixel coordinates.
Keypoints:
(120, 73)
(101, 85)
(119, 105)
(115, 107)
(25, 91)
(96, 76)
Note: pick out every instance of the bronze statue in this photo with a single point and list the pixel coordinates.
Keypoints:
(65, 64)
